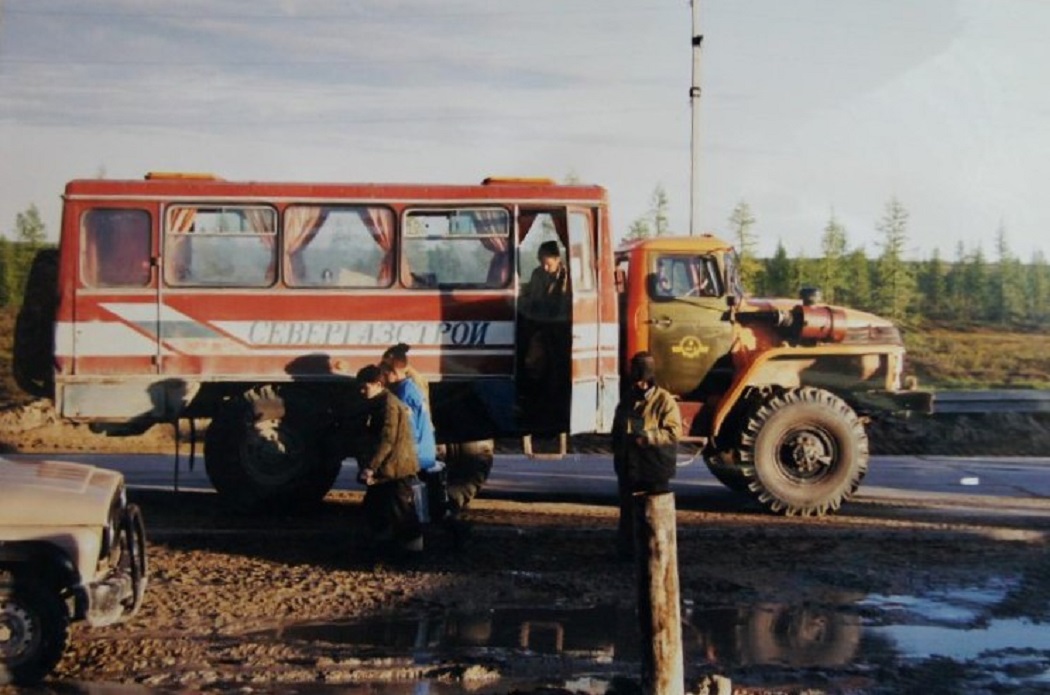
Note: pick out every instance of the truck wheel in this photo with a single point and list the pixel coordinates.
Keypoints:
(729, 474)
(799, 636)
(257, 455)
(469, 465)
(34, 627)
(804, 451)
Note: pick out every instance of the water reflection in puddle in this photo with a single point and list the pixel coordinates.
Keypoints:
(777, 634)
(603, 642)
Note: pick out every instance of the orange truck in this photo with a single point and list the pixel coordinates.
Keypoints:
(253, 304)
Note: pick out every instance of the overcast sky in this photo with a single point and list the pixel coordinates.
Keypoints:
(810, 108)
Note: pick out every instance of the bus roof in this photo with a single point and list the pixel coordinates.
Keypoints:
(180, 185)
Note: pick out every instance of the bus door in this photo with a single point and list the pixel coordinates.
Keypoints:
(219, 270)
(115, 321)
(687, 331)
(558, 322)
(586, 411)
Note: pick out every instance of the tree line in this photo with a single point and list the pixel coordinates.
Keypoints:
(16, 255)
(970, 288)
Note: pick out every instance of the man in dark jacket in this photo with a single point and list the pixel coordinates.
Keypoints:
(645, 436)
(388, 465)
(546, 306)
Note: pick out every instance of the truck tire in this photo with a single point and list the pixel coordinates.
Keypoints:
(258, 456)
(804, 452)
(34, 347)
(799, 636)
(729, 474)
(34, 627)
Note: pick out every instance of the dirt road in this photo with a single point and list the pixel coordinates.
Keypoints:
(226, 591)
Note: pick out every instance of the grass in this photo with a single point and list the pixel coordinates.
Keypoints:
(979, 357)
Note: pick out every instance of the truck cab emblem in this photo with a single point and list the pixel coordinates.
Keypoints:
(690, 347)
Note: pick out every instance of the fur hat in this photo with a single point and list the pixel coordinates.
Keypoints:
(643, 367)
(369, 374)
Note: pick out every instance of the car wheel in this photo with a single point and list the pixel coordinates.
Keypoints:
(34, 627)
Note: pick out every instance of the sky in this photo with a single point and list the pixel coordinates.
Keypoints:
(809, 110)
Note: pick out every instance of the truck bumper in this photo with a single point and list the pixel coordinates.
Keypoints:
(896, 402)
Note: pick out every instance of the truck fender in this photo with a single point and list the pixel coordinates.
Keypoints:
(47, 561)
(761, 372)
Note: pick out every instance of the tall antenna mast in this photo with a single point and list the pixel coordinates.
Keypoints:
(694, 106)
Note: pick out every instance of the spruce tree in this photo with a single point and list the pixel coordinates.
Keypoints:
(740, 223)
(895, 279)
(832, 275)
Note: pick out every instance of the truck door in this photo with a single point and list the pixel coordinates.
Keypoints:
(688, 326)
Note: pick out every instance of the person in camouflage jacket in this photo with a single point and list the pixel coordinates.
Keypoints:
(388, 465)
(646, 429)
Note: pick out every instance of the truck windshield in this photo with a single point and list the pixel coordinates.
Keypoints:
(683, 275)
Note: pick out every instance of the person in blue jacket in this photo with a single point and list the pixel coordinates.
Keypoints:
(431, 471)
(422, 428)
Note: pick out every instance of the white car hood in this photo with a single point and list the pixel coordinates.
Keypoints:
(48, 493)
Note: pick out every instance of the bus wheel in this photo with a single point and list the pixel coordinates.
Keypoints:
(256, 455)
(468, 465)
(805, 452)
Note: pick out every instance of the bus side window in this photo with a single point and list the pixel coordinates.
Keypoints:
(220, 246)
(338, 246)
(116, 248)
(449, 248)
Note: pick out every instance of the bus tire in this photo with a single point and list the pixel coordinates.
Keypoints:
(804, 451)
(259, 456)
(468, 465)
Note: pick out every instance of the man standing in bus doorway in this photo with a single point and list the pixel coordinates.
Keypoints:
(388, 466)
(646, 429)
(546, 304)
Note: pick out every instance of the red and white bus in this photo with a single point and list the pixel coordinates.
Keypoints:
(191, 296)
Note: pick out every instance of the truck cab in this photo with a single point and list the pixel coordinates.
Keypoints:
(776, 392)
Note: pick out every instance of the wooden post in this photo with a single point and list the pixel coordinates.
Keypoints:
(659, 608)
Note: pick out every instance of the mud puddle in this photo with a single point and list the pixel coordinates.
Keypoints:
(967, 626)
(964, 639)
(586, 650)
